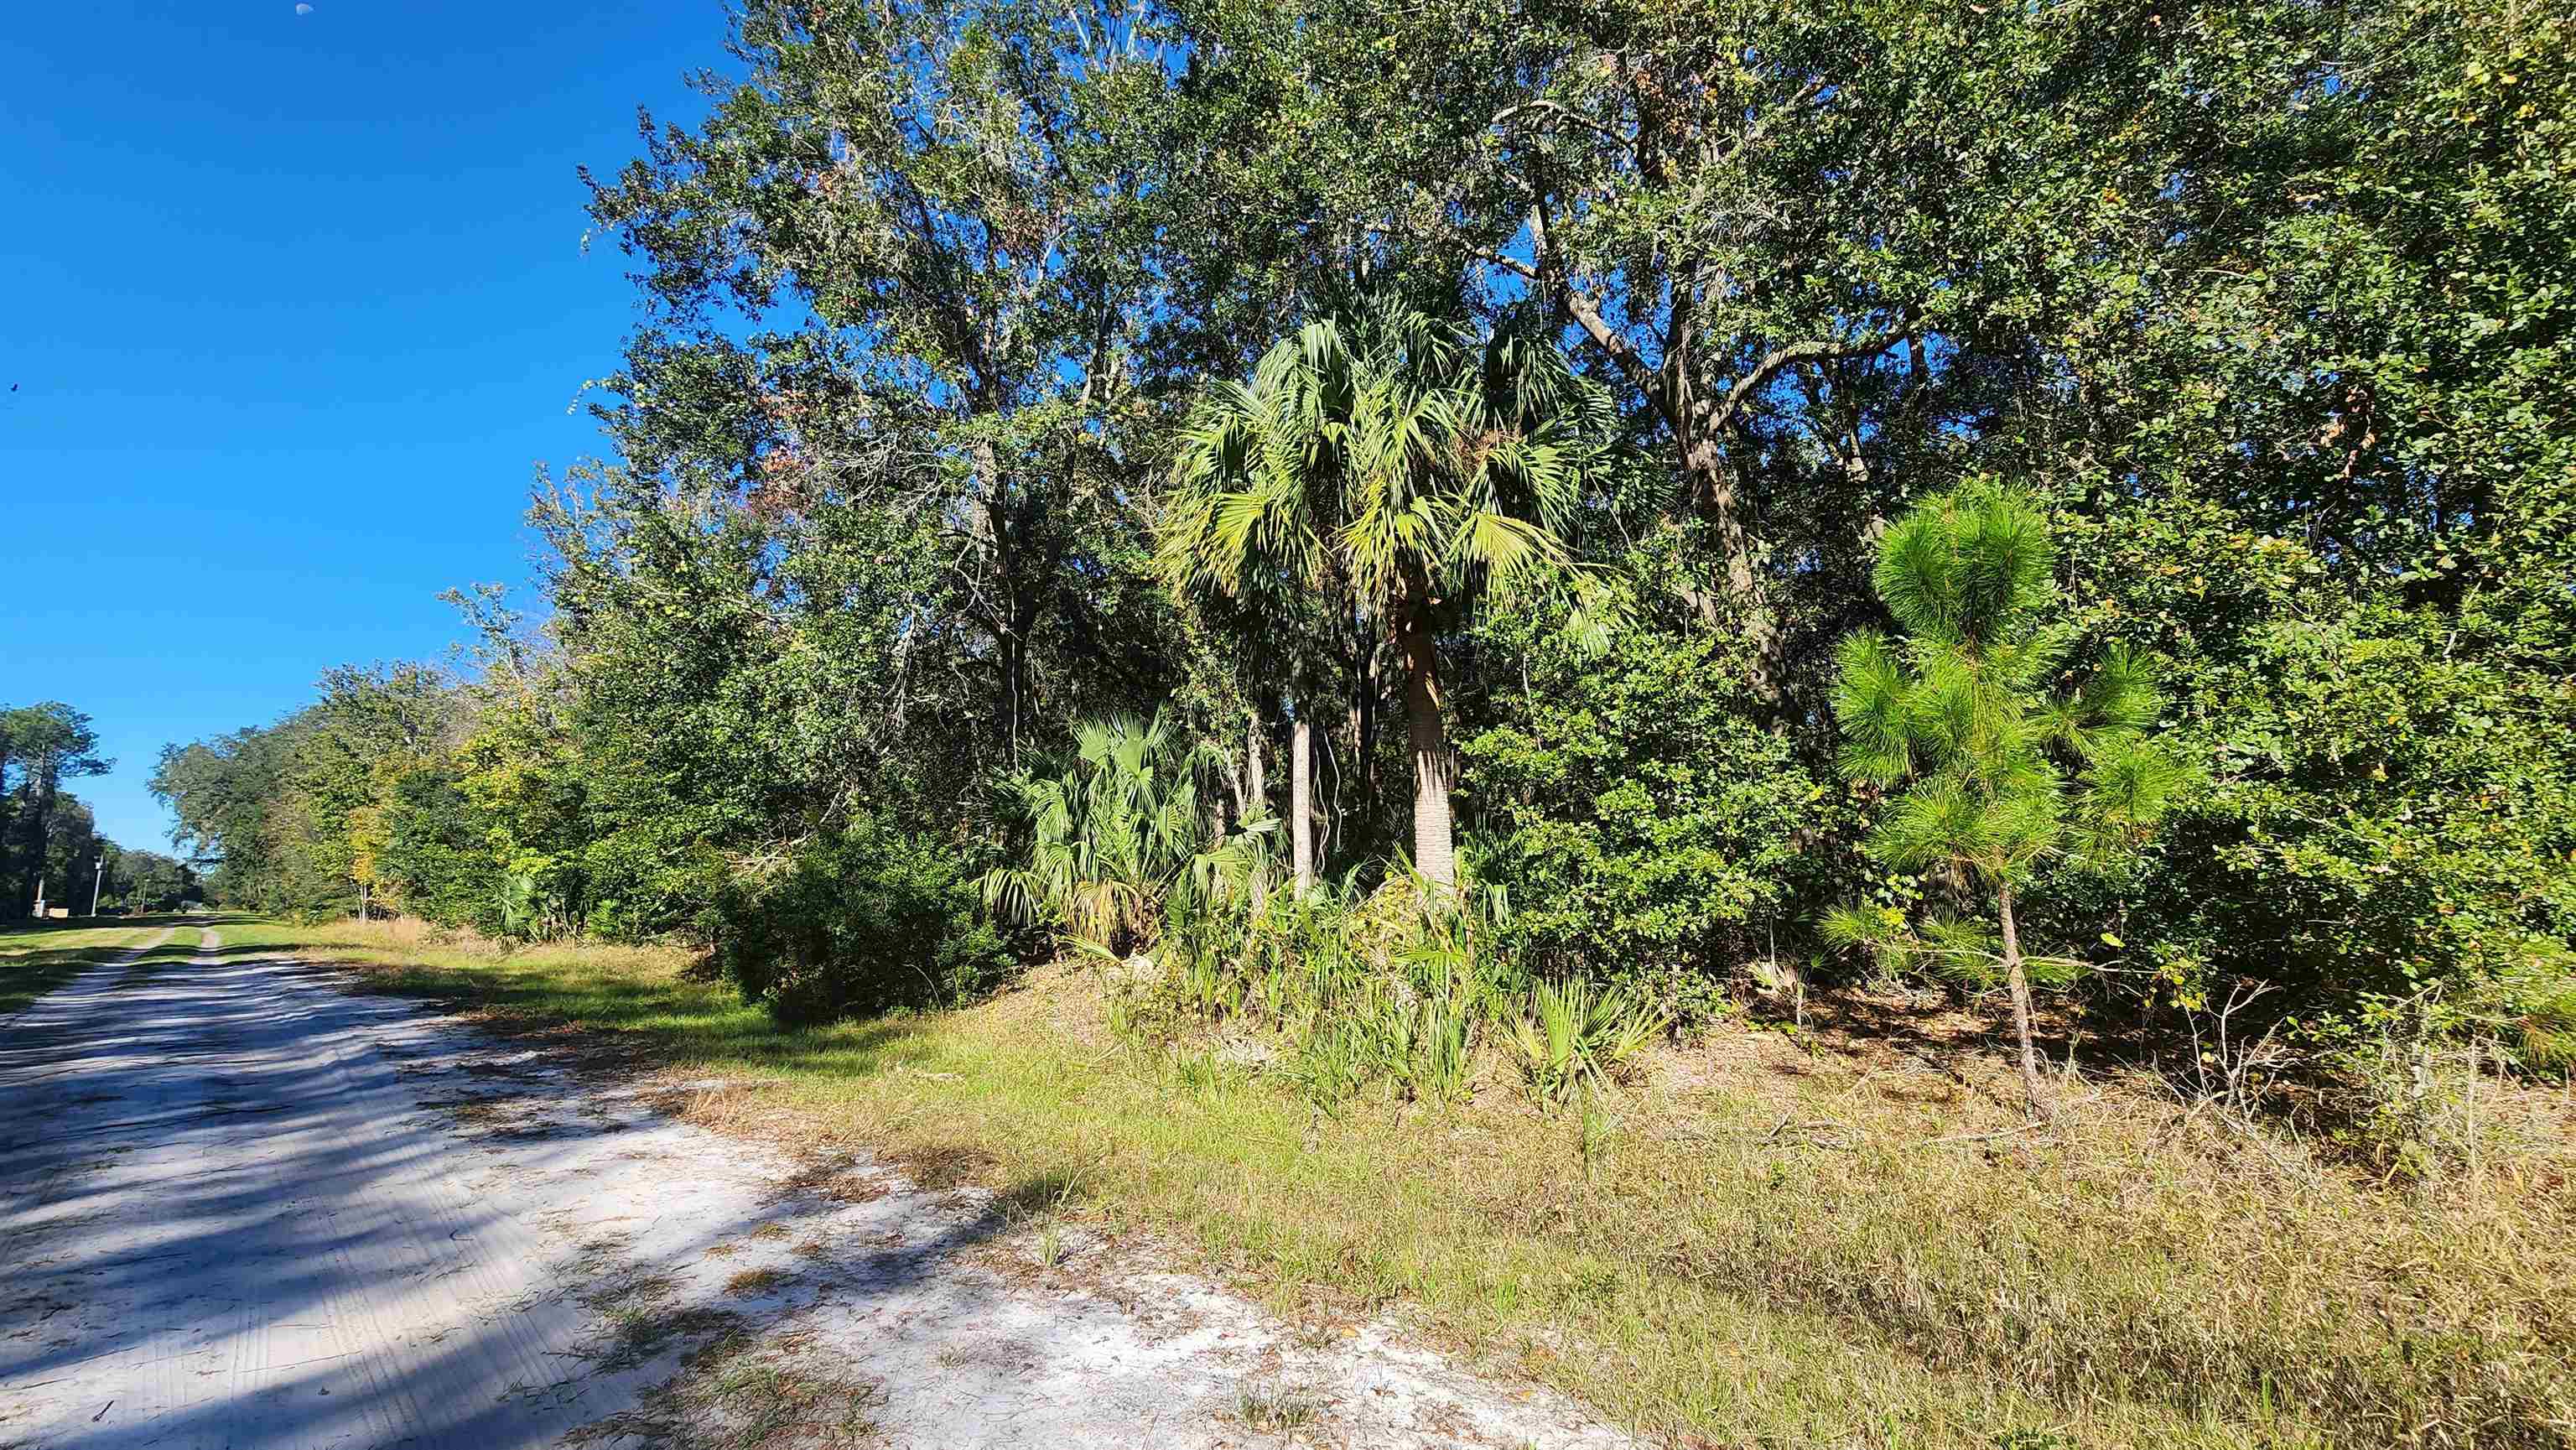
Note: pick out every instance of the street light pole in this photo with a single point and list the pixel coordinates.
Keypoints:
(96, 882)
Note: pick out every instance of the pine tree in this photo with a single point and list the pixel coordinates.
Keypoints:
(2001, 766)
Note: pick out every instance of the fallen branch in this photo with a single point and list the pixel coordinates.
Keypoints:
(1984, 1137)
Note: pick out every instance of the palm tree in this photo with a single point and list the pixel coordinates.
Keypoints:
(1388, 466)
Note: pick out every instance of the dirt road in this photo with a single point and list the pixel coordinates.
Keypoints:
(241, 1207)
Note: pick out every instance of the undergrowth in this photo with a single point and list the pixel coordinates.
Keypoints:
(1750, 1242)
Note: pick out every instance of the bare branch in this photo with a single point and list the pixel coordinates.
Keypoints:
(1795, 353)
(1509, 114)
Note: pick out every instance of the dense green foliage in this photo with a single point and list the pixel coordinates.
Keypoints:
(1648, 824)
(1379, 471)
(857, 921)
(49, 843)
(1119, 841)
(1010, 366)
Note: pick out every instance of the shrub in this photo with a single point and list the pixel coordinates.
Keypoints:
(2384, 817)
(647, 878)
(858, 921)
(1574, 1038)
(430, 854)
(1650, 828)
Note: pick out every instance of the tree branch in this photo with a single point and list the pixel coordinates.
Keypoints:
(1795, 353)
(1587, 314)
(1508, 114)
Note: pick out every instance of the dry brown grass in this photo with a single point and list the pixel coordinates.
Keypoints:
(737, 1391)
(753, 1283)
(1758, 1230)
(1754, 1245)
(404, 942)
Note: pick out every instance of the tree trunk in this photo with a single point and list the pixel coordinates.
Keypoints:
(40, 809)
(990, 526)
(1359, 751)
(1698, 425)
(1301, 800)
(1255, 786)
(1365, 699)
(1713, 482)
(2019, 980)
(1233, 794)
(1434, 851)
(8, 851)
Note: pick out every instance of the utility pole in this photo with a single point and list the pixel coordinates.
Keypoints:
(96, 882)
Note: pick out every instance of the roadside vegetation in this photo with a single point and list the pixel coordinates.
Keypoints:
(50, 847)
(1498, 659)
(1759, 1237)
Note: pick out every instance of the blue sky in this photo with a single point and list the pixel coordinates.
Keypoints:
(296, 305)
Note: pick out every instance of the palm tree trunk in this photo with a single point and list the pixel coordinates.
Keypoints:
(2019, 979)
(1434, 848)
(1256, 788)
(1366, 699)
(1301, 799)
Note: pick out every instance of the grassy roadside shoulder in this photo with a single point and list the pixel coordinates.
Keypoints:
(181, 948)
(37, 957)
(1756, 1246)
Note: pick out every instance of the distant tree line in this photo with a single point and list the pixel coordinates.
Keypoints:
(49, 842)
(1478, 428)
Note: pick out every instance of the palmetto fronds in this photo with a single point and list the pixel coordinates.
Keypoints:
(1118, 837)
(1575, 1038)
(1386, 466)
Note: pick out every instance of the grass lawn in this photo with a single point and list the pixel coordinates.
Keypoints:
(37, 957)
(1757, 1245)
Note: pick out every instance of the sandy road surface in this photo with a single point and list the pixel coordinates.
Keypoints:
(242, 1208)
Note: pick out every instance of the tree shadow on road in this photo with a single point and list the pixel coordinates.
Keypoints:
(261, 1076)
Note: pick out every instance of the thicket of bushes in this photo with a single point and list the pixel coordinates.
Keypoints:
(857, 921)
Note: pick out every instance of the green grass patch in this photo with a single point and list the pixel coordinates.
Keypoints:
(37, 957)
(180, 949)
(1756, 1245)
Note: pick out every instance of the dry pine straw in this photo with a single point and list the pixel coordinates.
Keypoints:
(1755, 1245)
